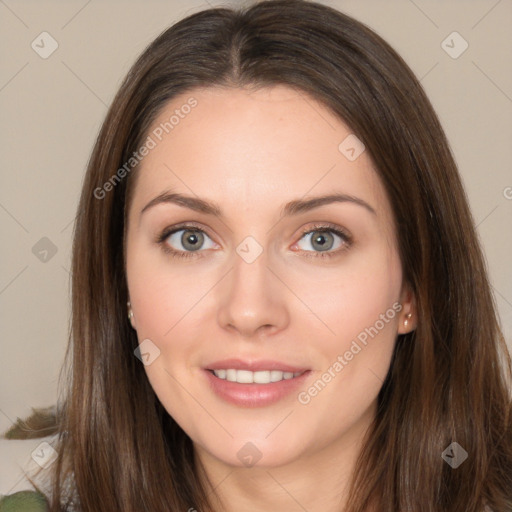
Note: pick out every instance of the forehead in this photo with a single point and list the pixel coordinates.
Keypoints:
(260, 147)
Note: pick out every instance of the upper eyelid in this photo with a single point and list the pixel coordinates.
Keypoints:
(183, 227)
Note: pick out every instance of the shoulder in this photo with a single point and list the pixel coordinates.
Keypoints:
(23, 501)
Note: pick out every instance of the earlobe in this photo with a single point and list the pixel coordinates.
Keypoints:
(408, 318)
(130, 314)
(407, 324)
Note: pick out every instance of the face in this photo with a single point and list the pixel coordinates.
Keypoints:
(250, 278)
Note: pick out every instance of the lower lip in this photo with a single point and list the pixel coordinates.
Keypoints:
(254, 395)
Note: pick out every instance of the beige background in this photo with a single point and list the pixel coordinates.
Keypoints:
(52, 110)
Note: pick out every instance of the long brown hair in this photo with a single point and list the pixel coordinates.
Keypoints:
(449, 380)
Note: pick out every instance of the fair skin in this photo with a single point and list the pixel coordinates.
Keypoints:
(251, 152)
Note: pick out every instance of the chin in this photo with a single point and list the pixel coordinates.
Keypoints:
(254, 452)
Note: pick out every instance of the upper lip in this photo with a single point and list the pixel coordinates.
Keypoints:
(253, 366)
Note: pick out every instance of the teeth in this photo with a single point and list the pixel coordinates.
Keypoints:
(220, 373)
(248, 377)
(276, 375)
(244, 377)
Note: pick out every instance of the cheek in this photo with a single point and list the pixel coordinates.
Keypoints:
(165, 301)
(362, 294)
(161, 291)
(361, 309)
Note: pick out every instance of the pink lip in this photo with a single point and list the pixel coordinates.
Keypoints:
(253, 366)
(253, 395)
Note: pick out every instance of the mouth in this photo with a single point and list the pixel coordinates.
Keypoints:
(254, 384)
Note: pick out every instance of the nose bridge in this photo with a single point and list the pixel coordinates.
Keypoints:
(252, 296)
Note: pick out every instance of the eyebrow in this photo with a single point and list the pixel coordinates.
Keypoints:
(295, 207)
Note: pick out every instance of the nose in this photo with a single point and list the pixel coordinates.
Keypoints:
(253, 299)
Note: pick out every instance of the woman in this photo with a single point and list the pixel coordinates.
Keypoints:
(279, 300)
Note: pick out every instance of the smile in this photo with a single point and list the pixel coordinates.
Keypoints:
(254, 383)
(249, 377)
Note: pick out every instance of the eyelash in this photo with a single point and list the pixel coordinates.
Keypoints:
(324, 228)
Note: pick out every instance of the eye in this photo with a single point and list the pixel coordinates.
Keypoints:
(184, 241)
(322, 238)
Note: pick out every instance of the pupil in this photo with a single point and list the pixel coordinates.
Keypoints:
(320, 239)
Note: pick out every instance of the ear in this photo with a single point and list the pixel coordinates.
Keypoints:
(131, 316)
(408, 317)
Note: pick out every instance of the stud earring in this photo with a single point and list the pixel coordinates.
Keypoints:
(130, 312)
(407, 317)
